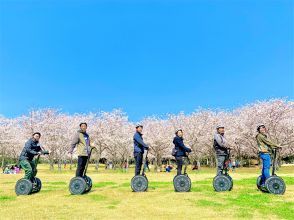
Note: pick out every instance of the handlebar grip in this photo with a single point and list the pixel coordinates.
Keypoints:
(45, 152)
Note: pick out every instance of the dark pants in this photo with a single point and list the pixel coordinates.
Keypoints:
(180, 162)
(220, 163)
(82, 161)
(139, 161)
(29, 167)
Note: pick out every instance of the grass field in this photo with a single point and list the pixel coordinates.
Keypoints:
(111, 197)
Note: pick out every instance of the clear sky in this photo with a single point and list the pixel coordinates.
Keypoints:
(145, 57)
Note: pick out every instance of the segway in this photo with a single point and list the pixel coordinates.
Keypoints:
(274, 184)
(80, 185)
(182, 182)
(223, 181)
(139, 183)
(25, 186)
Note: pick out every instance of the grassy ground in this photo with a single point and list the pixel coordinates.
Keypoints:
(111, 197)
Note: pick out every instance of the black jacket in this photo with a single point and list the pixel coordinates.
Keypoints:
(181, 149)
(30, 149)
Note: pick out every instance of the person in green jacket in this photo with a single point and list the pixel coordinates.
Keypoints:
(81, 141)
(265, 147)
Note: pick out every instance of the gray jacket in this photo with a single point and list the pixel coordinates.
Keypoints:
(220, 144)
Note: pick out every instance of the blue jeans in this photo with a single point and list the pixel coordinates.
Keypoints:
(266, 165)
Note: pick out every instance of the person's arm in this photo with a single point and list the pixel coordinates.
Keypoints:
(138, 139)
(29, 149)
(219, 140)
(74, 142)
(181, 145)
(268, 142)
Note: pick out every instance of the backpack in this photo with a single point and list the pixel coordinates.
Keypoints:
(174, 152)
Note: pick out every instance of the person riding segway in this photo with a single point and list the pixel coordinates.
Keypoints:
(222, 181)
(272, 184)
(81, 183)
(182, 182)
(30, 183)
(139, 182)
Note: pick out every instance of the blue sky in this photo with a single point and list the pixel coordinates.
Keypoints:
(145, 57)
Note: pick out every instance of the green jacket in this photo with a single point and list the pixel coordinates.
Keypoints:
(264, 144)
(79, 141)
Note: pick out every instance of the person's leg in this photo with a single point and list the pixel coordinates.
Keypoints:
(78, 171)
(34, 168)
(26, 166)
(220, 164)
(139, 161)
(82, 160)
(266, 165)
(179, 165)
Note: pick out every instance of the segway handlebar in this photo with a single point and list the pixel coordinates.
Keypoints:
(45, 152)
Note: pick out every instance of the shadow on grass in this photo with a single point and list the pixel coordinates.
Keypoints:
(104, 184)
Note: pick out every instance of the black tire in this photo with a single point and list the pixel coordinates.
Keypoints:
(23, 187)
(182, 183)
(139, 183)
(275, 185)
(258, 182)
(38, 186)
(222, 183)
(89, 184)
(77, 186)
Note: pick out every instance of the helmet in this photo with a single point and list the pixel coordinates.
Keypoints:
(139, 125)
(219, 126)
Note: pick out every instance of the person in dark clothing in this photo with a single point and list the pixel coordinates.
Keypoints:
(221, 147)
(181, 151)
(81, 140)
(139, 148)
(31, 149)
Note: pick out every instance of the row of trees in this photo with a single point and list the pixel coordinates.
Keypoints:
(112, 132)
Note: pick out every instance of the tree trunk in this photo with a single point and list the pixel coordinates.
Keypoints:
(70, 163)
(97, 162)
(59, 165)
(51, 162)
(3, 158)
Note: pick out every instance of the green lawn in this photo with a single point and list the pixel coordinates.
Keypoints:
(111, 197)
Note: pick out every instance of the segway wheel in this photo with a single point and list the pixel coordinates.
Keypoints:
(275, 185)
(139, 183)
(89, 183)
(258, 182)
(77, 186)
(23, 187)
(38, 186)
(182, 183)
(222, 183)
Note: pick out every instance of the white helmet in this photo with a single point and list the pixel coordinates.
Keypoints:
(219, 126)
